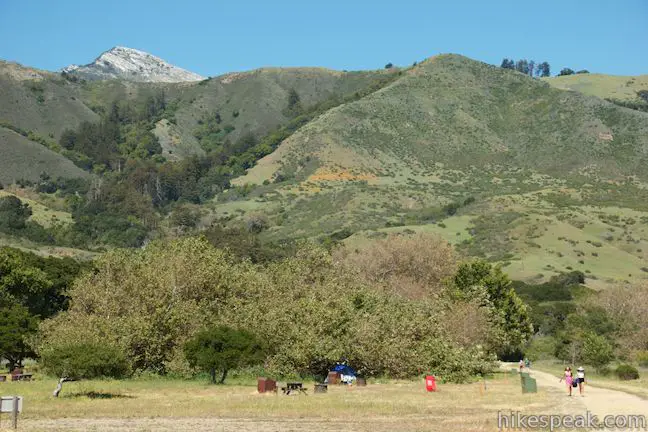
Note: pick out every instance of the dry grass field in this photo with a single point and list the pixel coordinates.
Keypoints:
(165, 405)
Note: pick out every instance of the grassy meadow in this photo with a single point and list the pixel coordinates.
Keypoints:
(173, 404)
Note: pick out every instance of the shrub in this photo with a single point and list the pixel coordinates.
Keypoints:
(257, 222)
(84, 361)
(13, 213)
(627, 372)
(80, 360)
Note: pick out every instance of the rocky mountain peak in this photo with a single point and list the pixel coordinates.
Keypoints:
(133, 65)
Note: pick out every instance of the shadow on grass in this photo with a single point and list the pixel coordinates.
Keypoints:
(98, 395)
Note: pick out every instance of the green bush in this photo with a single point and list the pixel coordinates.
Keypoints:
(627, 372)
(13, 213)
(81, 360)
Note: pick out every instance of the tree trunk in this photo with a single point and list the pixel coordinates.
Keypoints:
(212, 373)
(222, 380)
(59, 387)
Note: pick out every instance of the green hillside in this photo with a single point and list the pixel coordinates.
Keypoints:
(40, 101)
(506, 167)
(515, 159)
(454, 111)
(22, 159)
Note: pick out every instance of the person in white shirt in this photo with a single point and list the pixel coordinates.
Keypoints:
(580, 376)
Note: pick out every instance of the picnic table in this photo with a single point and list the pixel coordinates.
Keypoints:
(21, 377)
(293, 387)
(16, 377)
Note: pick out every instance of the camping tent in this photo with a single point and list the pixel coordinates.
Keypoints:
(347, 373)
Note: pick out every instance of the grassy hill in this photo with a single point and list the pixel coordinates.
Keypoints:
(40, 101)
(537, 175)
(603, 86)
(22, 158)
(454, 111)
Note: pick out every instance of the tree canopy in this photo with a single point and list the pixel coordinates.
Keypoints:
(222, 348)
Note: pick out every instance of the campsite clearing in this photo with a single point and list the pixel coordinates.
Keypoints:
(161, 404)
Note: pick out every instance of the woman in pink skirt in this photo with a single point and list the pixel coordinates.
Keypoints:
(569, 379)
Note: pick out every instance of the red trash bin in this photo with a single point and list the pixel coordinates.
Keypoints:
(430, 383)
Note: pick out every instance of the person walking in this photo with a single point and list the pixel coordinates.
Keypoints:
(569, 380)
(580, 376)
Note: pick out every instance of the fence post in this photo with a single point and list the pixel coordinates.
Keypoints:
(15, 412)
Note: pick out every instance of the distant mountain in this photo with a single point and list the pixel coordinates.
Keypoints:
(132, 65)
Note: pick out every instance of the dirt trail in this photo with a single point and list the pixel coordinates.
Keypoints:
(600, 401)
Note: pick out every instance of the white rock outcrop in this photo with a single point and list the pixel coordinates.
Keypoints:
(133, 65)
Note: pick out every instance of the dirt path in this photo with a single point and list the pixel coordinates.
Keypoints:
(599, 401)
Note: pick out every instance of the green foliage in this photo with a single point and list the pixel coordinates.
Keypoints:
(184, 216)
(13, 213)
(80, 360)
(507, 311)
(543, 69)
(639, 104)
(540, 348)
(221, 349)
(314, 312)
(244, 245)
(566, 71)
(31, 288)
(643, 95)
(626, 372)
(508, 64)
(597, 351)
(294, 106)
(16, 325)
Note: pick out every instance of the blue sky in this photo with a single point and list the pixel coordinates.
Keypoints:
(214, 37)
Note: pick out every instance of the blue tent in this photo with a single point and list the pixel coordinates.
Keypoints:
(344, 369)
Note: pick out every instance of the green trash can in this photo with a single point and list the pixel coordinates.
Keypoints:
(529, 385)
(513, 371)
(524, 374)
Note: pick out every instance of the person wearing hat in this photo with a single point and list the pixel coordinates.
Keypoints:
(580, 376)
